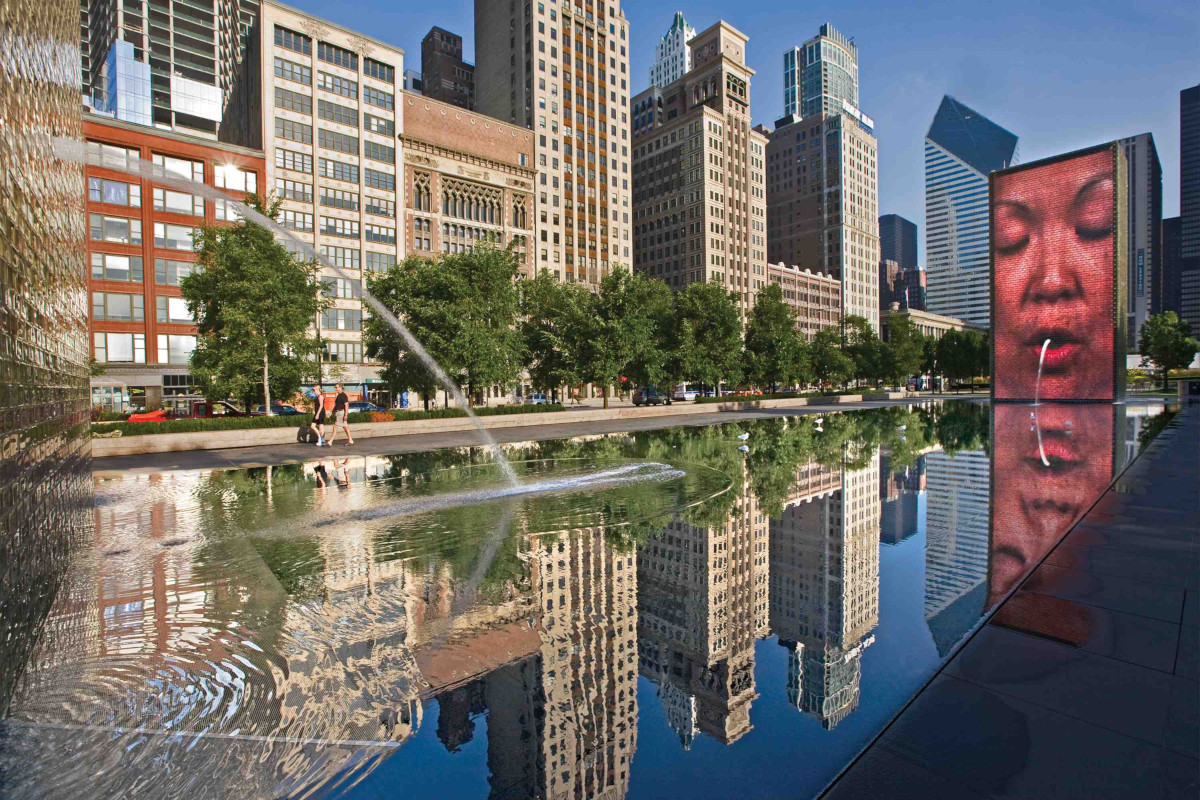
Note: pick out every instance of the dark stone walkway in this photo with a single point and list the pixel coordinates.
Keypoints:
(1086, 682)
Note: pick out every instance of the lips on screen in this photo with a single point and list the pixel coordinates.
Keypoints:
(1049, 464)
(1054, 280)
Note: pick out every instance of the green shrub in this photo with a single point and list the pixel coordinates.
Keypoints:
(753, 398)
(296, 421)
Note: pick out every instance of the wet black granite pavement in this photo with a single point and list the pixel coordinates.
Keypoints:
(1085, 683)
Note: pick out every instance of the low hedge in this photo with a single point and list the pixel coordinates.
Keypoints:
(297, 420)
(754, 398)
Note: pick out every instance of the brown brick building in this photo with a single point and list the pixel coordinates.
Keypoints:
(444, 74)
(467, 177)
(816, 299)
(140, 246)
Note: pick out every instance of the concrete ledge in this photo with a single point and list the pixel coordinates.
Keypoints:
(220, 440)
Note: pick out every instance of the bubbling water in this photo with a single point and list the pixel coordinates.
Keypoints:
(76, 151)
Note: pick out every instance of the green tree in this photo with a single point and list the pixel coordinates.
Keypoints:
(652, 362)
(862, 344)
(961, 355)
(1166, 343)
(624, 331)
(929, 356)
(830, 365)
(462, 308)
(554, 326)
(253, 303)
(714, 351)
(776, 353)
(905, 351)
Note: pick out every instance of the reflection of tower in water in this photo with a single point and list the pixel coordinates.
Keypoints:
(825, 590)
(702, 603)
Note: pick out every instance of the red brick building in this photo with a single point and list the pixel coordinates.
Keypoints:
(140, 246)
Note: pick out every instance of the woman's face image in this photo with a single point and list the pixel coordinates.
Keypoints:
(1049, 463)
(1054, 280)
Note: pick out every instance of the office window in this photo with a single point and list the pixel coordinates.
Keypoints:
(380, 234)
(113, 307)
(378, 97)
(384, 127)
(183, 167)
(340, 142)
(108, 155)
(341, 319)
(293, 41)
(178, 202)
(119, 348)
(170, 273)
(344, 257)
(117, 193)
(173, 237)
(337, 113)
(291, 71)
(173, 310)
(292, 101)
(338, 85)
(293, 190)
(380, 207)
(296, 220)
(227, 176)
(343, 352)
(332, 198)
(379, 180)
(290, 159)
(379, 71)
(338, 56)
(296, 131)
(379, 152)
(121, 230)
(332, 226)
(341, 288)
(174, 349)
(380, 261)
(338, 171)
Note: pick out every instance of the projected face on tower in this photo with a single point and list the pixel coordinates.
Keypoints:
(1054, 279)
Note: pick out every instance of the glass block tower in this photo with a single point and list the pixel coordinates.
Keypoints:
(961, 148)
(820, 75)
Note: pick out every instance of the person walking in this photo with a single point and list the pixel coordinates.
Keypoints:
(341, 409)
(318, 423)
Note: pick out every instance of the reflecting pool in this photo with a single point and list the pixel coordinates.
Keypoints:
(722, 611)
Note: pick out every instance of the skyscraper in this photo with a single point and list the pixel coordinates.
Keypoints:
(195, 49)
(1189, 206)
(444, 74)
(898, 241)
(961, 148)
(1145, 232)
(672, 56)
(576, 100)
(823, 206)
(820, 75)
(699, 208)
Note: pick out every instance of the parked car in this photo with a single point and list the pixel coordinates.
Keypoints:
(362, 407)
(538, 399)
(277, 410)
(201, 410)
(650, 397)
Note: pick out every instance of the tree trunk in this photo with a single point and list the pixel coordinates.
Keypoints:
(606, 395)
(266, 382)
(1166, 379)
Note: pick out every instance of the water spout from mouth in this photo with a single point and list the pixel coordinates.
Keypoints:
(1037, 389)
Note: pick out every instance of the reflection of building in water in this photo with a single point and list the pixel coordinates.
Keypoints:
(956, 549)
(702, 603)
(825, 591)
(899, 493)
(562, 720)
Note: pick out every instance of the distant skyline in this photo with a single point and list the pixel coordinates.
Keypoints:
(1059, 77)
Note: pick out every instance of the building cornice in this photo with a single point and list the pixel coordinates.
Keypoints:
(417, 151)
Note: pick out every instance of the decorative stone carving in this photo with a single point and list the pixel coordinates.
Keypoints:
(478, 174)
(314, 29)
(361, 46)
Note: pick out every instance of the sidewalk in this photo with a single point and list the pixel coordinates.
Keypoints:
(273, 454)
(1019, 713)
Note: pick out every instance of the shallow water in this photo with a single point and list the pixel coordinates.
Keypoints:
(655, 614)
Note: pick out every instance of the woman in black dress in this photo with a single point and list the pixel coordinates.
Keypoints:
(318, 423)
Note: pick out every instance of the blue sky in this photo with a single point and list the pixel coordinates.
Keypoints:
(1060, 75)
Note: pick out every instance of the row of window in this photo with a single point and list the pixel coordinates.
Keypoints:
(122, 230)
(117, 307)
(130, 348)
(331, 53)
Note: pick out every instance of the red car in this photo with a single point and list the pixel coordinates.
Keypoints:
(203, 410)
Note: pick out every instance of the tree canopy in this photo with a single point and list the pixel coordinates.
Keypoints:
(1166, 343)
(707, 316)
(776, 353)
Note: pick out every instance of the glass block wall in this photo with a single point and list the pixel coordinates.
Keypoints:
(45, 461)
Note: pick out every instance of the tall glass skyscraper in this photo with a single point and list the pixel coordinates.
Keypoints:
(961, 148)
(821, 74)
